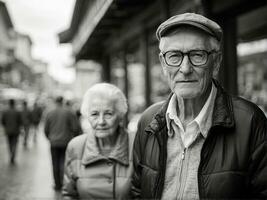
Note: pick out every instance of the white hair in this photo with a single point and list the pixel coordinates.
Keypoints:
(105, 89)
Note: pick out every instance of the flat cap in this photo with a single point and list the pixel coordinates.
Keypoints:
(191, 19)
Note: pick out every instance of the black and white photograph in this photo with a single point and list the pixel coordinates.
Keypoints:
(133, 99)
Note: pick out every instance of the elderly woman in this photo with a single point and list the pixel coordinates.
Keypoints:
(99, 164)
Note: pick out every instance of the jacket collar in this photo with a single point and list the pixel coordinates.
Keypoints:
(159, 120)
(120, 152)
(222, 115)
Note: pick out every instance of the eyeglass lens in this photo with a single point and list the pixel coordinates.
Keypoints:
(196, 57)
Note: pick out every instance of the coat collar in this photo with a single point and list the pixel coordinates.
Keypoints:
(223, 114)
(120, 153)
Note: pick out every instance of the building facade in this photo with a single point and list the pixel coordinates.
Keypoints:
(120, 35)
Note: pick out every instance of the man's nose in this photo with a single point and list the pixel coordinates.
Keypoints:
(186, 67)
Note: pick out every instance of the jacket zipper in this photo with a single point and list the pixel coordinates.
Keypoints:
(183, 154)
(179, 191)
(114, 180)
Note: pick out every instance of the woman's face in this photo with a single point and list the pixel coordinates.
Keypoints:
(103, 116)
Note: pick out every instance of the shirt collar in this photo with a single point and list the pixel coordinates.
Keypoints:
(171, 113)
(204, 118)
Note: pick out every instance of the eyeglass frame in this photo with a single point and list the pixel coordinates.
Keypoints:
(187, 53)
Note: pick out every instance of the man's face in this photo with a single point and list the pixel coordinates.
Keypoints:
(188, 81)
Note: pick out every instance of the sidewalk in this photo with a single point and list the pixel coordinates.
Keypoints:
(31, 177)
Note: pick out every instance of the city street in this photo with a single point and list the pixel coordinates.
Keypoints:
(31, 177)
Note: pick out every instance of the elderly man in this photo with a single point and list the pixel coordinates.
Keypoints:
(201, 142)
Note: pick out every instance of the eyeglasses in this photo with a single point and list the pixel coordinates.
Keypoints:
(197, 58)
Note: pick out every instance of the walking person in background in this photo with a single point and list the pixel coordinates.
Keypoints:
(26, 122)
(201, 143)
(69, 106)
(60, 127)
(11, 121)
(36, 113)
(99, 163)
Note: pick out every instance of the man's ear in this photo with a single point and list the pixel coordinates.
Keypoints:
(217, 65)
(162, 63)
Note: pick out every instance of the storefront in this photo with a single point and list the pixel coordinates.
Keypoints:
(120, 34)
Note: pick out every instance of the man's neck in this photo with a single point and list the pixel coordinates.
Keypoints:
(188, 109)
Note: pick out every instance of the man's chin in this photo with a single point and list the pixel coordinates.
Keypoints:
(185, 94)
(101, 134)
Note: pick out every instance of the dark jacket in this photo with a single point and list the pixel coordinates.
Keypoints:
(26, 117)
(233, 158)
(11, 120)
(36, 115)
(61, 125)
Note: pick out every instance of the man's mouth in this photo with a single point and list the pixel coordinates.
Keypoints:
(187, 81)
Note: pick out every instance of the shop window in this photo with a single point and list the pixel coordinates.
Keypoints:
(117, 70)
(136, 80)
(252, 72)
(159, 87)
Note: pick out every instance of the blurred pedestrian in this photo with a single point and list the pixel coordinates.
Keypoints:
(201, 143)
(11, 121)
(26, 122)
(60, 127)
(99, 163)
(69, 106)
(36, 116)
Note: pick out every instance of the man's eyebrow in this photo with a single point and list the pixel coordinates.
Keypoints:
(198, 49)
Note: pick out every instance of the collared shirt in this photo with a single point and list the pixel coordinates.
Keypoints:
(201, 124)
(183, 150)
